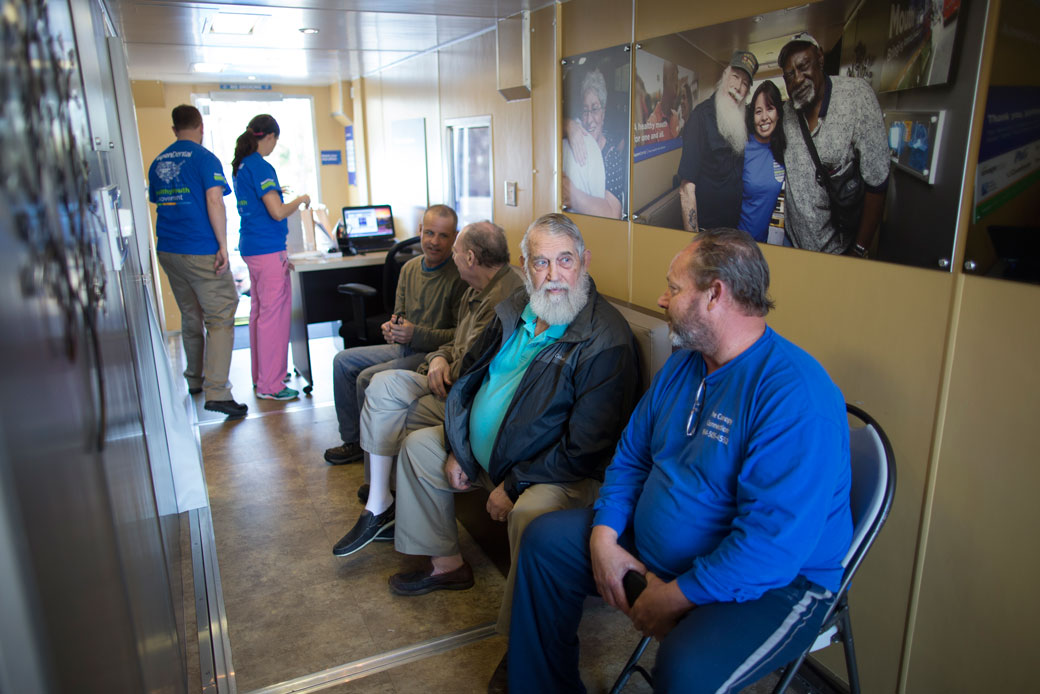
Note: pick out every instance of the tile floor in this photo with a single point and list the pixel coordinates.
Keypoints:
(294, 609)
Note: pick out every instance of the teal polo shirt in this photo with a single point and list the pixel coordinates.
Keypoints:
(503, 378)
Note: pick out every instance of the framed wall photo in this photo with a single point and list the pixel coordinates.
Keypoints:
(913, 139)
(595, 147)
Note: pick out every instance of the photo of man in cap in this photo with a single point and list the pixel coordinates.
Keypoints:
(847, 130)
(712, 161)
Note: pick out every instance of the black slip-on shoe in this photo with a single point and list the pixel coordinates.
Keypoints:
(341, 455)
(364, 531)
(423, 582)
(233, 410)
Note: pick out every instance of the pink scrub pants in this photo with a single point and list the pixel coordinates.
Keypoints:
(269, 315)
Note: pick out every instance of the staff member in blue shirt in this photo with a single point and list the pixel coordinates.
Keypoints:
(262, 245)
(186, 182)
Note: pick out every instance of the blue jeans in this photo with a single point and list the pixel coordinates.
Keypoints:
(352, 371)
(718, 647)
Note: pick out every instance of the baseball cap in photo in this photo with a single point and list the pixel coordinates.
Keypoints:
(799, 40)
(746, 61)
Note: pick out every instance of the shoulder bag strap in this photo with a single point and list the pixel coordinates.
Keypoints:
(822, 176)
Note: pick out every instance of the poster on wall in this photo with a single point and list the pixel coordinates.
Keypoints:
(595, 148)
(1009, 155)
(901, 44)
(664, 98)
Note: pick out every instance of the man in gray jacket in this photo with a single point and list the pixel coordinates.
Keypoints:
(534, 418)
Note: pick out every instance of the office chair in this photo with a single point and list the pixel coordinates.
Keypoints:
(873, 488)
(361, 328)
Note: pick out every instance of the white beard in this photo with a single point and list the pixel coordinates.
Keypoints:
(729, 113)
(558, 309)
(804, 96)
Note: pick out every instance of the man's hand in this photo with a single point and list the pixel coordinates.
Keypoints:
(454, 474)
(610, 563)
(576, 137)
(439, 377)
(499, 504)
(387, 334)
(402, 329)
(220, 263)
(659, 607)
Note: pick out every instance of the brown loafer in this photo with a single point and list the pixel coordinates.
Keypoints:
(423, 582)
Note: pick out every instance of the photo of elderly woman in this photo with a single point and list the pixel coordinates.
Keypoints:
(595, 143)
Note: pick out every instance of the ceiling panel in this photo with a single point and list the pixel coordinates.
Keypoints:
(355, 37)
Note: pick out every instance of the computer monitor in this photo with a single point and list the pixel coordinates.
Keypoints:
(368, 227)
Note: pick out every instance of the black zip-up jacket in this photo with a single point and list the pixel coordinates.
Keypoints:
(571, 405)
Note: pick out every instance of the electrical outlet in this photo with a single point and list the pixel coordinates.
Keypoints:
(511, 193)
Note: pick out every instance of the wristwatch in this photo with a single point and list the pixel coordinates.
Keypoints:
(858, 250)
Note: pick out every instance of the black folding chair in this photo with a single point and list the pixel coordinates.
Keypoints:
(873, 489)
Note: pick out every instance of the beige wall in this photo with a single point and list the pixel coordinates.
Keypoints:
(153, 102)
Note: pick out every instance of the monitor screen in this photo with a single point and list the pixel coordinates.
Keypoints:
(369, 222)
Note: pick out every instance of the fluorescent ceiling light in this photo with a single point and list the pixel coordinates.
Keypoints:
(233, 23)
(308, 30)
(207, 67)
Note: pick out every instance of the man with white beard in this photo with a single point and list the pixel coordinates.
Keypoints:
(712, 165)
(534, 417)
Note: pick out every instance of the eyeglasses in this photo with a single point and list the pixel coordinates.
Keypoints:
(594, 111)
(694, 421)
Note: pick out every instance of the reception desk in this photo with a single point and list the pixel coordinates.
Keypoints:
(315, 299)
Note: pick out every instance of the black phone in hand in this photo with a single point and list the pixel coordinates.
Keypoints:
(634, 583)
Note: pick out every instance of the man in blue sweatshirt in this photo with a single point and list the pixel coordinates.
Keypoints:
(729, 492)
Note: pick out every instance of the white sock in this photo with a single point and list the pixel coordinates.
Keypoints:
(379, 498)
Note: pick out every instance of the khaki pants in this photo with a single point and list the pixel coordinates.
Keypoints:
(205, 300)
(397, 402)
(426, 506)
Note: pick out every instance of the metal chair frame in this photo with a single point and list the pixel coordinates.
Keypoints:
(870, 508)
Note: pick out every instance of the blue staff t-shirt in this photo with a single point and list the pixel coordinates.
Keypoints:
(763, 179)
(259, 232)
(177, 183)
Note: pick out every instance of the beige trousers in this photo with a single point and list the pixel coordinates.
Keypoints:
(206, 301)
(426, 506)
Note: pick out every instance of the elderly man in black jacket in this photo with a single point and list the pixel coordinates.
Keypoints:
(534, 418)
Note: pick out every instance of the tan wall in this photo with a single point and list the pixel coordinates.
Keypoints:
(153, 103)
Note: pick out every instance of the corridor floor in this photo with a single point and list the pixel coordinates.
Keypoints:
(295, 609)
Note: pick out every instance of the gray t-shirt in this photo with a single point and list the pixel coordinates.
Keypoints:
(850, 121)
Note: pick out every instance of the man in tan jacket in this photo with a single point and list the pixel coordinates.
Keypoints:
(399, 401)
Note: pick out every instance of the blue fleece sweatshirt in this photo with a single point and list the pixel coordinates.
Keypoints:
(756, 494)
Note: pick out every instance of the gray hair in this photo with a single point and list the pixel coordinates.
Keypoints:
(732, 257)
(487, 240)
(594, 80)
(553, 224)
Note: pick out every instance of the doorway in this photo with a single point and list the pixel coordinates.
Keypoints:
(295, 159)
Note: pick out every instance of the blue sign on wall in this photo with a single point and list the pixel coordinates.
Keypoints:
(331, 157)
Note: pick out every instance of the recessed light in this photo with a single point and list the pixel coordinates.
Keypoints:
(207, 67)
(308, 30)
